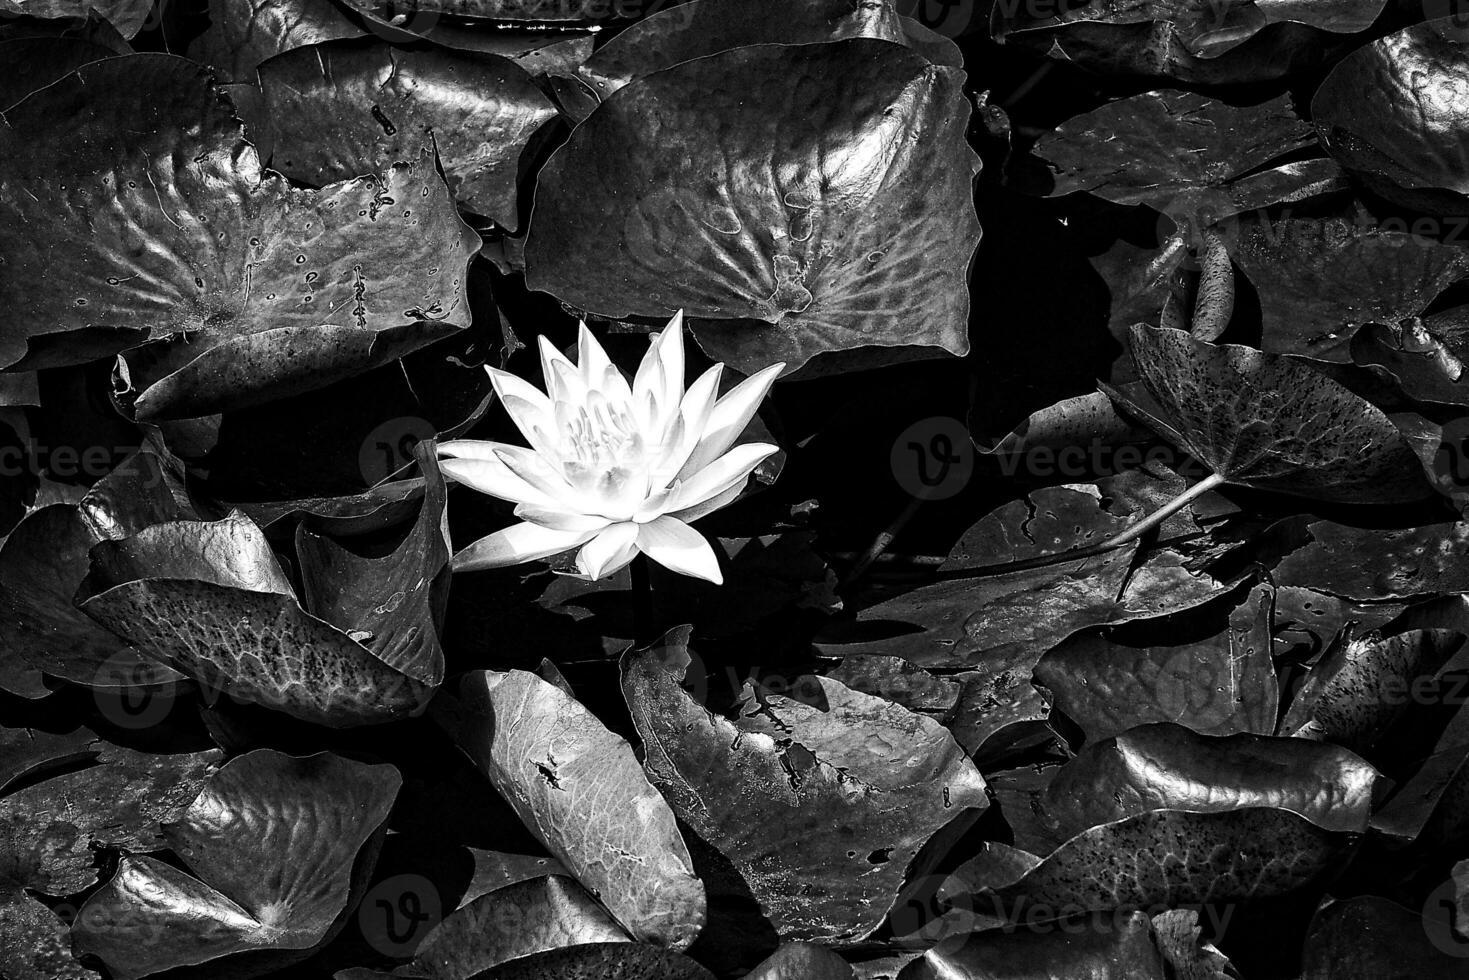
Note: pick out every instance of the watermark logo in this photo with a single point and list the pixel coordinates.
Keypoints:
(950, 18)
(389, 447)
(398, 913)
(133, 694)
(1443, 921)
(933, 458)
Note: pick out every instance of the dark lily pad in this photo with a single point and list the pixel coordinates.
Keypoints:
(1190, 41)
(243, 35)
(1393, 112)
(859, 784)
(272, 839)
(521, 919)
(38, 944)
(1167, 858)
(332, 111)
(1182, 153)
(699, 28)
(579, 789)
(1426, 356)
(211, 599)
(1267, 421)
(1218, 683)
(1361, 687)
(36, 62)
(128, 16)
(1370, 564)
(1320, 279)
(855, 229)
(1169, 767)
(254, 290)
(971, 620)
(1123, 949)
(42, 563)
(1369, 936)
(48, 830)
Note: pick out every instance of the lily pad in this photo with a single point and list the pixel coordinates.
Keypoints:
(699, 28)
(861, 784)
(521, 919)
(1120, 950)
(36, 62)
(1425, 355)
(1320, 279)
(1267, 421)
(579, 789)
(1168, 858)
(594, 961)
(42, 632)
(211, 599)
(855, 229)
(273, 840)
(1169, 767)
(128, 16)
(1393, 112)
(1192, 41)
(1370, 936)
(243, 35)
(1217, 683)
(1360, 688)
(253, 290)
(48, 830)
(802, 961)
(332, 111)
(975, 617)
(1196, 159)
(1372, 564)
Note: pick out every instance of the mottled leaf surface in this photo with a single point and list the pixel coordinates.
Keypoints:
(859, 784)
(1267, 421)
(580, 790)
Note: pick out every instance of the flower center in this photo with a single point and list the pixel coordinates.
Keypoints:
(604, 454)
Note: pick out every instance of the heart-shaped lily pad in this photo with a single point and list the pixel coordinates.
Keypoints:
(1393, 111)
(854, 229)
(580, 790)
(1320, 279)
(273, 841)
(332, 111)
(860, 784)
(699, 28)
(1271, 422)
(253, 290)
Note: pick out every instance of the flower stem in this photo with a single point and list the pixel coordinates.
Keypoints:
(1127, 535)
(644, 624)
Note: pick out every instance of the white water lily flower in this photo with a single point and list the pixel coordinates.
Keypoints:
(613, 469)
